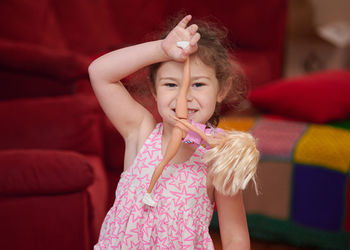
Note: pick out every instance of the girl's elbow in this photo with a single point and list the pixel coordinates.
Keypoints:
(92, 68)
(94, 72)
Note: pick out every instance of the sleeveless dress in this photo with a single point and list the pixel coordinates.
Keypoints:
(183, 212)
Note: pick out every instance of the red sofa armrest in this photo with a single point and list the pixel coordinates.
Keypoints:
(71, 123)
(43, 172)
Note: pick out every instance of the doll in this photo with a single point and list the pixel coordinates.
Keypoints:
(177, 134)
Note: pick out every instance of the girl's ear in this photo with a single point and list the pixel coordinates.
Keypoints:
(224, 89)
(153, 91)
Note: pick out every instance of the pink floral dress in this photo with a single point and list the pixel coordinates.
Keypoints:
(183, 212)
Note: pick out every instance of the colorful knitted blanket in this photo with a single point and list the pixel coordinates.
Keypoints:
(303, 178)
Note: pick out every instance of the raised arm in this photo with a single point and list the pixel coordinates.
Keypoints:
(105, 74)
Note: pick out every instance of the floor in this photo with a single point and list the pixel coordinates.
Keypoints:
(256, 244)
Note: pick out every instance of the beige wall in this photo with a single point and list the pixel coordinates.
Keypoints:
(305, 15)
(305, 51)
(326, 11)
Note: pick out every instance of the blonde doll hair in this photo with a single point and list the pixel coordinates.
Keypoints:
(232, 162)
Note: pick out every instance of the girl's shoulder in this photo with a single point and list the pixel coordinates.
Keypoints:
(135, 141)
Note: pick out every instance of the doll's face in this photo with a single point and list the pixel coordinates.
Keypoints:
(203, 93)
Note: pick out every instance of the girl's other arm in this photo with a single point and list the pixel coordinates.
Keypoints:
(233, 222)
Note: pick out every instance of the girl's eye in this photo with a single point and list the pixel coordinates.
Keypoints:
(171, 85)
(198, 84)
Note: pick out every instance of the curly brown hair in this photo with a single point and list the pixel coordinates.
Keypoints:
(215, 51)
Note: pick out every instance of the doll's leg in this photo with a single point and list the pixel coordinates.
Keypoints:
(173, 146)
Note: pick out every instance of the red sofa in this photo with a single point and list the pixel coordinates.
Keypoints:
(53, 184)
(60, 158)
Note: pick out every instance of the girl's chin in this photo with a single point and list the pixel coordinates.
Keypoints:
(191, 116)
(169, 121)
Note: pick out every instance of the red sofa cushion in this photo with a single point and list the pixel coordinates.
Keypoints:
(252, 24)
(25, 85)
(88, 26)
(32, 22)
(151, 15)
(29, 70)
(319, 97)
(26, 174)
(43, 172)
(66, 123)
(40, 60)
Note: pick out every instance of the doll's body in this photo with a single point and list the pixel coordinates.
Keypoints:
(177, 133)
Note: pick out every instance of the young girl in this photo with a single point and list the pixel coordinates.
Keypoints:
(185, 196)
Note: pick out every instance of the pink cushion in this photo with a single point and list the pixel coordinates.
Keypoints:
(319, 97)
(67, 123)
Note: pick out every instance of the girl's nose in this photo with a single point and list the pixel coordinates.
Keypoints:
(189, 96)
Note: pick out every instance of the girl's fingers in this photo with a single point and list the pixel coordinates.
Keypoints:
(174, 117)
(183, 23)
(192, 29)
(195, 39)
(193, 45)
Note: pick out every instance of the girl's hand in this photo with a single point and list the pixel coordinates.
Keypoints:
(181, 33)
(180, 125)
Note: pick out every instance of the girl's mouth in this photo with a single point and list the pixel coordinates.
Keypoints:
(189, 111)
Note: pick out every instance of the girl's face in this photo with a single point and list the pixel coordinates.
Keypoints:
(203, 93)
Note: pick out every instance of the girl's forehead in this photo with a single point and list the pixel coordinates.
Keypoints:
(175, 69)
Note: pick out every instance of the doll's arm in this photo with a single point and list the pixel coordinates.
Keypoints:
(192, 127)
(211, 140)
